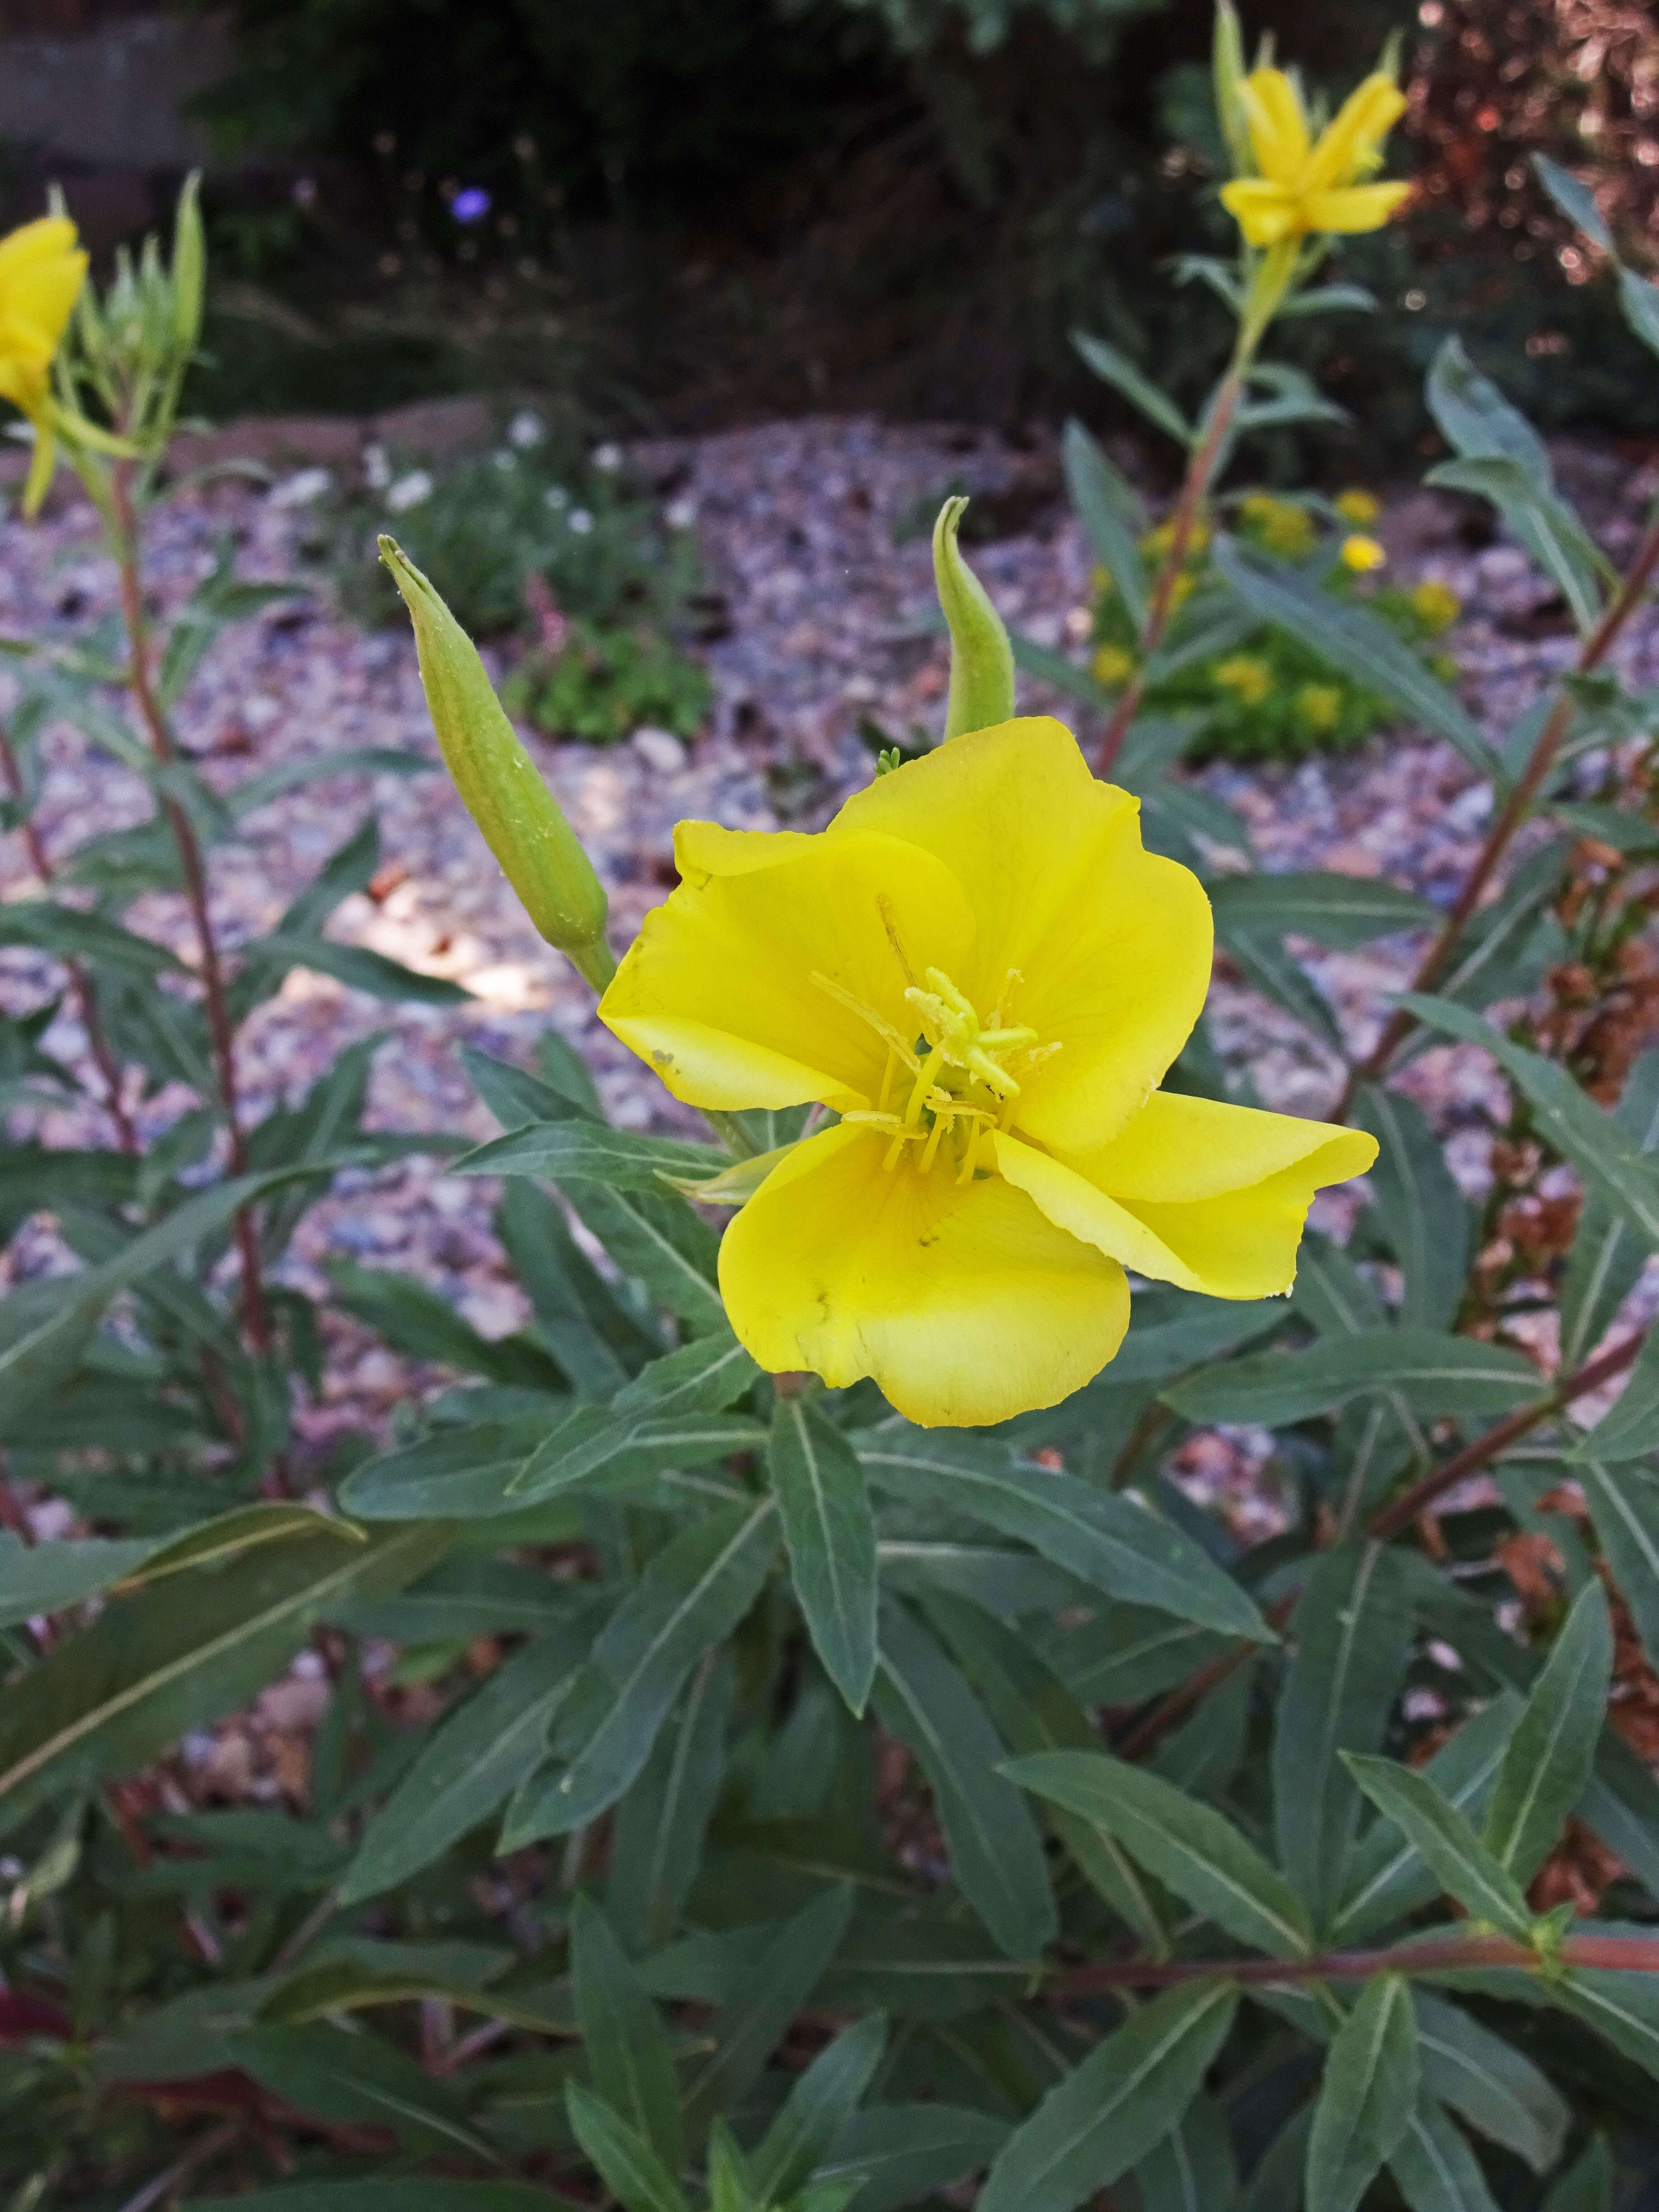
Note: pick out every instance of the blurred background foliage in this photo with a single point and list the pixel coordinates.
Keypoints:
(696, 211)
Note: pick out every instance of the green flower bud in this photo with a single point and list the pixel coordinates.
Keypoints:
(189, 269)
(501, 787)
(982, 660)
(1227, 62)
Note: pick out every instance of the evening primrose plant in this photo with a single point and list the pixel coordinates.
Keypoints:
(821, 1717)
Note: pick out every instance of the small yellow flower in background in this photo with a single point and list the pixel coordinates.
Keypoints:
(1279, 523)
(1436, 603)
(1362, 554)
(1181, 589)
(1251, 678)
(980, 969)
(1305, 187)
(1320, 706)
(1100, 582)
(42, 272)
(1156, 543)
(1112, 665)
(1357, 506)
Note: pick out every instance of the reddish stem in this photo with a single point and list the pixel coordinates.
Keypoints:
(1638, 1954)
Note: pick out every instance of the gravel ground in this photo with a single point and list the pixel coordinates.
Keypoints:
(830, 628)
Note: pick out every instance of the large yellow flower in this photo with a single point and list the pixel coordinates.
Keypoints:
(1303, 186)
(41, 271)
(981, 971)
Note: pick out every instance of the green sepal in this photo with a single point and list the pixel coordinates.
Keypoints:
(981, 658)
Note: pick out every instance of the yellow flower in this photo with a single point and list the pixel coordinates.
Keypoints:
(1278, 524)
(41, 270)
(1436, 603)
(1112, 665)
(1156, 543)
(1320, 706)
(1181, 589)
(1251, 678)
(1362, 554)
(1303, 186)
(981, 971)
(1357, 506)
(1100, 582)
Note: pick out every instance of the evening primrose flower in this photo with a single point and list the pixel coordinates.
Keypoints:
(982, 972)
(1362, 554)
(1305, 186)
(41, 271)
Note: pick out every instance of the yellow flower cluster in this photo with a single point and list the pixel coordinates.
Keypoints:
(1436, 603)
(1360, 507)
(1302, 185)
(1362, 554)
(982, 973)
(1249, 679)
(1279, 523)
(1113, 665)
(1318, 706)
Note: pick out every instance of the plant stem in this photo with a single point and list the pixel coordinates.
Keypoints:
(1435, 1955)
(97, 1043)
(1195, 485)
(1514, 812)
(256, 1319)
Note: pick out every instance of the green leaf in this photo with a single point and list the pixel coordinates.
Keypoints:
(420, 1322)
(1629, 1429)
(817, 2110)
(1434, 2167)
(1623, 1503)
(366, 2195)
(1474, 417)
(468, 1597)
(627, 2049)
(458, 1473)
(1116, 369)
(830, 1534)
(357, 2080)
(1608, 1255)
(351, 760)
(179, 1654)
(694, 1592)
(1353, 639)
(1576, 201)
(45, 1578)
(744, 2033)
(1269, 969)
(1432, 1373)
(356, 966)
(657, 1839)
(1418, 1207)
(1466, 1869)
(1367, 2098)
(1352, 1633)
(659, 1239)
(629, 2169)
(899, 2153)
(1340, 911)
(1191, 2169)
(70, 935)
(1111, 515)
(1189, 1847)
(626, 1159)
(1541, 522)
(1111, 1540)
(1599, 1146)
(1638, 302)
(1495, 2087)
(1553, 1747)
(1622, 2006)
(1105, 2116)
(471, 1764)
(592, 1452)
(1588, 2186)
(996, 1852)
(704, 1376)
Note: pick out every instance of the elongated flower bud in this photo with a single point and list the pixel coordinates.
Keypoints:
(1227, 63)
(539, 851)
(189, 271)
(982, 660)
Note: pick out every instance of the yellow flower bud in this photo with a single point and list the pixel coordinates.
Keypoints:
(502, 789)
(982, 660)
(1362, 554)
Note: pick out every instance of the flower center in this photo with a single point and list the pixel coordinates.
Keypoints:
(944, 1086)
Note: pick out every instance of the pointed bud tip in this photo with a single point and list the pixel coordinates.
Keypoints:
(981, 692)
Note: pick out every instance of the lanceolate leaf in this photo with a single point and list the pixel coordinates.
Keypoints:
(623, 2039)
(1623, 1503)
(1588, 2186)
(1106, 2116)
(1351, 1630)
(626, 1159)
(1630, 1428)
(1495, 2087)
(1111, 514)
(1332, 909)
(1608, 1251)
(1190, 1848)
(178, 1654)
(742, 2033)
(1434, 1374)
(1418, 1206)
(899, 2153)
(657, 1838)
(1108, 1540)
(1466, 1868)
(831, 1537)
(996, 1853)
(1553, 1747)
(1369, 2095)
(1116, 369)
(629, 2169)
(1622, 2006)
(694, 1592)
(817, 2109)
(1434, 2166)
(358, 2080)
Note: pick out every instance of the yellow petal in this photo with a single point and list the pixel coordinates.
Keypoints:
(963, 1301)
(1355, 133)
(1267, 213)
(1112, 943)
(41, 271)
(1355, 208)
(1211, 1197)
(1278, 127)
(702, 849)
(717, 991)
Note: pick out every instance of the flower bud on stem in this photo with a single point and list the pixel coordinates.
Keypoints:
(981, 658)
(539, 854)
